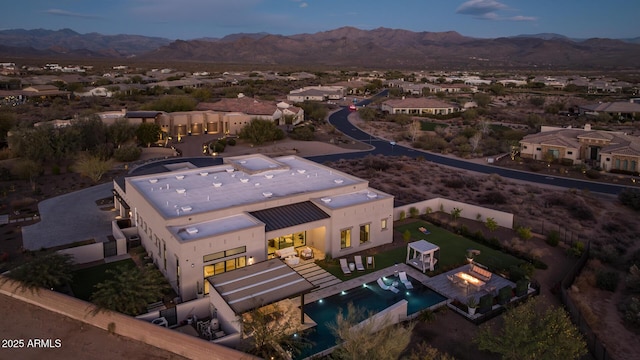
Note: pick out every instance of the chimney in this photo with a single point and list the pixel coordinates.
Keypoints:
(587, 127)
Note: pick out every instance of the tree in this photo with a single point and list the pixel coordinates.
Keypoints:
(426, 352)
(367, 114)
(148, 133)
(49, 271)
(270, 329)
(129, 289)
(375, 338)
(121, 131)
(491, 224)
(260, 131)
(90, 132)
(482, 99)
(474, 141)
(92, 167)
(7, 122)
(27, 170)
(528, 334)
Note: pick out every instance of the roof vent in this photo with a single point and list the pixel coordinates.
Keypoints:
(371, 195)
(326, 200)
(186, 208)
(302, 171)
(267, 194)
(269, 176)
(338, 181)
(179, 177)
(181, 191)
(191, 230)
(153, 181)
(217, 184)
(204, 173)
(244, 180)
(230, 170)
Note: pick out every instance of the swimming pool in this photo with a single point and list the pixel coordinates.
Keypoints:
(369, 297)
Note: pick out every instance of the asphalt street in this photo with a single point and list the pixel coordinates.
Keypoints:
(340, 120)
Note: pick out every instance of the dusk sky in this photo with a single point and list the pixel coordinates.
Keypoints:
(190, 19)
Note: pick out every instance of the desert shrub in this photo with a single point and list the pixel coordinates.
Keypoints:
(630, 198)
(406, 235)
(524, 233)
(607, 280)
(414, 212)
(231, 142)
(593, 174)
(305, 133)
(553, 238)
(577, 249)
(566, 162)
(127, 153)
(504, 294)
(631, 310)
(376, 163)
(580, 211)
(534, 166)
(454, 183)
(633, 279)
(493, 197)
(403, 215)
(55, 170)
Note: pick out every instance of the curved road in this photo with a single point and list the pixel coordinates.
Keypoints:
(340, 120)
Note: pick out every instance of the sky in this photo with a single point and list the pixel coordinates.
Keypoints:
(192, 19)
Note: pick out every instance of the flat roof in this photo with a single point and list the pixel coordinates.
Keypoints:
(241, 180)
(350, 199)
(213, 227)
(260, 284)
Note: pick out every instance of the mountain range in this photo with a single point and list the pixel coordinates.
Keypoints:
(342, 47)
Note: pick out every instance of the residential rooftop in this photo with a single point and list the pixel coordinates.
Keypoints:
(247, 180)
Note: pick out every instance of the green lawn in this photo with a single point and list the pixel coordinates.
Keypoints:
(453, 248)
(85, 279)
(453, 251)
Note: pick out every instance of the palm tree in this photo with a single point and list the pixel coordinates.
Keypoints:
(50, 271)
(129, 289)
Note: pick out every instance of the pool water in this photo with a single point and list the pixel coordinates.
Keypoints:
(369, 297)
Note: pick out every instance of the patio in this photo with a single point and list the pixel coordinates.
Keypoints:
(461, 291)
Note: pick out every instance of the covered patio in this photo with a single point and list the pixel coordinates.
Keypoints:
(422, 255)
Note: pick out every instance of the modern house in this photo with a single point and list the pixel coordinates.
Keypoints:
(419, 106)
(607, 149)
(196, 222)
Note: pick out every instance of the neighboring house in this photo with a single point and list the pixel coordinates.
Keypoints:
(607, 149)
(316, 93)
(419, 106)
(620, 109)
(98, 91)
(195, 222)
(44, 92)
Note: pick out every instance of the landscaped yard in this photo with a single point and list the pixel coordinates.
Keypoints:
(84, 280)
(453, 251)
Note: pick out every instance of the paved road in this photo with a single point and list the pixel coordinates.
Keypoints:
(340, 120)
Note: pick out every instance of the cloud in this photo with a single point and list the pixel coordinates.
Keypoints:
(304, 5)
(480, 7)
(488, 10)
(59, 12)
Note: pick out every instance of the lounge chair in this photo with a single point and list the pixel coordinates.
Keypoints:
(345, 267)
(406, 282)
(384, 286)
(358, 261)
(371, 262)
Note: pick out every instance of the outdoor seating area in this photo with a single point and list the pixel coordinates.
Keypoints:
(405, 281)
(422, 255)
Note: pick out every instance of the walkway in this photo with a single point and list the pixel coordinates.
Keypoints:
(316, 275)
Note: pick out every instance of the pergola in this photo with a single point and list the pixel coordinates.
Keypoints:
(422, 255)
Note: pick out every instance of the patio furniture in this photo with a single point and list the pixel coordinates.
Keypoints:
(286, 252)
(424, 230)
(306, 253)
(292, 260)
(345, 267)
(371, 262)
(422, 255)
(358, 260)
(405, 281)
(384, 286)
(480, 273)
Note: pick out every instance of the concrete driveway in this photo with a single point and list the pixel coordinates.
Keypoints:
(69, 218)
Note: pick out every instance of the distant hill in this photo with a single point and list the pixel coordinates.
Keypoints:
(67, 41)
(342, 47)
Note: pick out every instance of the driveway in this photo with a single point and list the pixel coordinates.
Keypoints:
(69, 218)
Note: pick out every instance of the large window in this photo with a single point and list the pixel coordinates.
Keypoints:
(296, 240)
(226, 253)
(345, 238)
(221, 267)
(365, 233)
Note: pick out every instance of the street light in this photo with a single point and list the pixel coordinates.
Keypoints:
(392, 144)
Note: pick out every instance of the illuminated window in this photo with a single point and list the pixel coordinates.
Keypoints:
(384, 224)
(365, 234)
(345, 238)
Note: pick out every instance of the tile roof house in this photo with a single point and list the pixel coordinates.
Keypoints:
(625, 109)
(607, 149)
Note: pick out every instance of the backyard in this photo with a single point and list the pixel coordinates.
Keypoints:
(453, 250)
